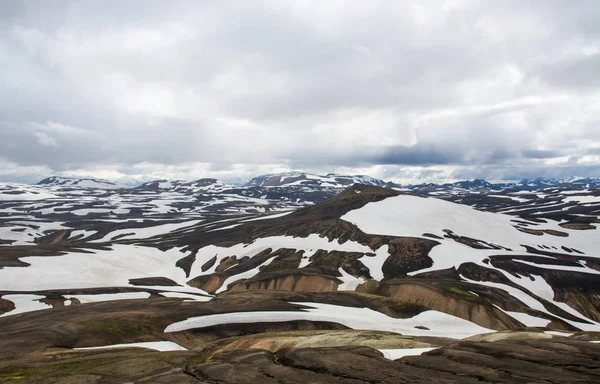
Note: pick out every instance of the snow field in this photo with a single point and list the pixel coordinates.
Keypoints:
(439, 324)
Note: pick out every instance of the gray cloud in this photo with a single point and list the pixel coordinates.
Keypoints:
(579, 72)
(423, 89)
(418, 155)
(540, 153)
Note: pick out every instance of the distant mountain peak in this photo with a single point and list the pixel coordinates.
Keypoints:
(549, 182)
(330, 180)
(77, 182)
(172, 185)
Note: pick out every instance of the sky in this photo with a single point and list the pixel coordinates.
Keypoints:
(407, 91)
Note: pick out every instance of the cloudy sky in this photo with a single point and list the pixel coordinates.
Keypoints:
(405, 91)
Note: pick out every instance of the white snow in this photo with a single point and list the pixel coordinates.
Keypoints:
(451, 254)
(556, 333)
(29, 233)
(103, 268)
(349, 282)
(83, 212)
(519, 199)
(19, 238)
(83, 232)
(25, 303)
(305, 261)
(147, 232)
(109, 297)
(224, 228)
(72, 182)
(394, 354)
(535, 284)
(375, 263)
(183, 295)
(120, 211)
(582, 269)
(576, 192)
(162, 346)
(266, 217)
(28, 192)
(439, 324)
(408, 215)
(583, 199)
(528, 320)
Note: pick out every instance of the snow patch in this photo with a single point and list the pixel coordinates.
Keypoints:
(162, 346)
(25, 303)
(394, 354)
(439, 324)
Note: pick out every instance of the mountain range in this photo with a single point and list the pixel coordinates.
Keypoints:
(330, 180)
(300, 278)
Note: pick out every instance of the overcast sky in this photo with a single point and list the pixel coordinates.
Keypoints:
(401, 90)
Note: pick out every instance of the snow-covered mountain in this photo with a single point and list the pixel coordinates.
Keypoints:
(195, 186)
(59, 181)
(540, 182)
(478, 184)
(301, 181)
(330, 180)
(61, 198)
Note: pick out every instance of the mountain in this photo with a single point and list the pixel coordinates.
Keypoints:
(484, 284)
(181, 185)
(478, 184)
(325, 184)
(540, 182)
(330, 180)
(59, 181)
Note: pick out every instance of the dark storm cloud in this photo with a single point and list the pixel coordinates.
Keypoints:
(230, 88)
(417, 155)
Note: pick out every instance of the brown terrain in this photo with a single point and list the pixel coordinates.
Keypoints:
(39, 349)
